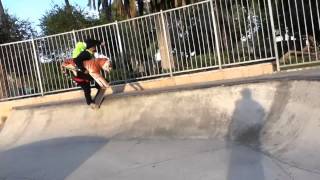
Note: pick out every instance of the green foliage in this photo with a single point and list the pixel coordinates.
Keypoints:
(63, 19)
(14, 29)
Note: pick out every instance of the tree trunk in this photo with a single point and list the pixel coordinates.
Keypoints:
(176, 3)
(132, 9)
(68, 7)
(164, 46)
(119, 7)
(107, 9)
(67, 3)
(140, 7)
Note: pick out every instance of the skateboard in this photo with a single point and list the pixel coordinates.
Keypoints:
(99, 97)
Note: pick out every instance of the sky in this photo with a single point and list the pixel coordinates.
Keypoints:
(33, 10)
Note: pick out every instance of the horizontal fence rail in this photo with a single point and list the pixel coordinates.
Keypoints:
(211, 34)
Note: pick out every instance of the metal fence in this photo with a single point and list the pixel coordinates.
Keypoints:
(209, 35)
(298, 32)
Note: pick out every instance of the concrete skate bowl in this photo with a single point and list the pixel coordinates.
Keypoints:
(276, 121)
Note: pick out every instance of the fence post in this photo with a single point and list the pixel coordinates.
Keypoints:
(216, 36)
(166, 41)
(74, 37)
(274, 35)
(37, 66)
(121, 50)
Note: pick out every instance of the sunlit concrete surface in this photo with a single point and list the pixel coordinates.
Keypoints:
(260, 131)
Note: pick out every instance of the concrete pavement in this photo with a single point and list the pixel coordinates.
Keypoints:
(265, 130)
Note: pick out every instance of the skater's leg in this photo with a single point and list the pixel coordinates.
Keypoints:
(87, 92)
(100, 80)
(99, 96)
(98, 87)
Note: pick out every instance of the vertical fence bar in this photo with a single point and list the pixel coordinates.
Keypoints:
(318, 17)
(234, 29)
(241, 34)
(293, 33)
(116, 50)
(313, 31)
(4, 68)
(188, 36)
(192, 37)
(216, 37)
(37, 66)
(274, 35)
(146, 60)
(268, 28)
(178, 41)
(228, 29)
(306, 30)
(263, 29)
(166, 40)
(74, 37)
(14, 75)
(107, 45)
(202, 37)
(8, 70)
(154, 40)
(121, 51)
(31, 64)
(18, 77)
(48, 68)
(140, 39)
(130, 51)
(279, 26)
(182, 19)
(112, 52)
(148, 37)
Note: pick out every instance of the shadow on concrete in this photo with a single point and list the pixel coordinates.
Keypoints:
(49, 159)
(120, 88)
(244, 133)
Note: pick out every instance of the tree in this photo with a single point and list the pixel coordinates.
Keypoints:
(3, 83)
(67, 3)
(123, 8)
(157, 5)
(140, 7)
(68, 7)
(63, 19)
(11, 29)
(14, 29)
(104, 8)
(2, 15)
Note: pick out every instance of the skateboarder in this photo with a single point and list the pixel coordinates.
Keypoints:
(85, 51)
(79, 55)
(84, 81)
